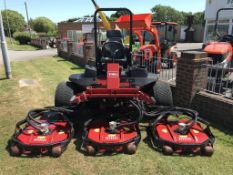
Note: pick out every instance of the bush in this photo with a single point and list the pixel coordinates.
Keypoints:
(22, 37)
(15, 19)
(43, 25)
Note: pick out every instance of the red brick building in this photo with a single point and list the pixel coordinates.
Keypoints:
(84, 25)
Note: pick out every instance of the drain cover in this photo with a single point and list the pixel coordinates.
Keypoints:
(26, 83)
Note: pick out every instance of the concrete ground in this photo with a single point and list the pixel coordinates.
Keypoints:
(188, 46)
(28, 55)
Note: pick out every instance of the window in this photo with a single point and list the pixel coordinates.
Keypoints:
(222, 30)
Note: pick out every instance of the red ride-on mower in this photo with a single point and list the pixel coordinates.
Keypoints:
(113, 82)
(44, 131)
(183, 136)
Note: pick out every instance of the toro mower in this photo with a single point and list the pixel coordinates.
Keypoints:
(181, 131)
(115, 85)
(43, 131)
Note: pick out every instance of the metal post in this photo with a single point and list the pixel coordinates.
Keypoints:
(29, 27)
(5, 57)
(8, 23)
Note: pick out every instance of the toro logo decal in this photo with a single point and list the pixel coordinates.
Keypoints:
(113, 74)
(40, 139)
(111, 137)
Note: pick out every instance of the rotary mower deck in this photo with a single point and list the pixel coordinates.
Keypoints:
(44, 131)
(183, 136)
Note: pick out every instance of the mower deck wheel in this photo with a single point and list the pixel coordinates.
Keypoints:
(208, 150)
(90, 150)
(167, 150)
(131, 148)
(57, 151)
(15, 150)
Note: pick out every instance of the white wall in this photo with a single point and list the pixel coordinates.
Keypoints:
(212, 6)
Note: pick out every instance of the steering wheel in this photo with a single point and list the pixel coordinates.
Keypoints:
(108, 49)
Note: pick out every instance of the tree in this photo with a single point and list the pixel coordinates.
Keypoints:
(185, 17)
(16, 21)
(116, 15)
(43, 25)
(199, 18)
(166, 13)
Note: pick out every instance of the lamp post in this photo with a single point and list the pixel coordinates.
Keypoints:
(5, 57)
(29, 27)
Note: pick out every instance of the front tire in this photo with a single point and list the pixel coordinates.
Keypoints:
(64, 92)
(163, 94)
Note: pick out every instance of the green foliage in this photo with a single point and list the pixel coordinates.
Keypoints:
(43, 25)
(16, 21)
(72, 19)
(185, 17)
(199, 18)
(166, 13)
(12, 44)
(116, 15)
(22, 37)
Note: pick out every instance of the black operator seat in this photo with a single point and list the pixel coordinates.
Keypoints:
(113, 49)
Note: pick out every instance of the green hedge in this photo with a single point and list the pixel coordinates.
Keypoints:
(22, 37)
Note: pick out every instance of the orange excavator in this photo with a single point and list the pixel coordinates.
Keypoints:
(150, 53)
(220, 51)
(154, 49)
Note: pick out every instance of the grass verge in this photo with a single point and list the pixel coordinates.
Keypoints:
(15, 102)
(14, 45)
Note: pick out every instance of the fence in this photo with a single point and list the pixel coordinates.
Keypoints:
(64, 46)
(164, 68)
(220, 80)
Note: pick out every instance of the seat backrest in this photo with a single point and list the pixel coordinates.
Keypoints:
(114, 35)
(113, 48)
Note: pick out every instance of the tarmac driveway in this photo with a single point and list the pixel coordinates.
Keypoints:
(28, 55)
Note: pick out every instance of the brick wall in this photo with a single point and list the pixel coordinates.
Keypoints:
(215, 108)
(191, 76)
(191, 79)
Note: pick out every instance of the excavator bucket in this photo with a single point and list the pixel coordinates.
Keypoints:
(140, 21)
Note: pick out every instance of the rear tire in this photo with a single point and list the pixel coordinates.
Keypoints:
(163, 94)
(64, 92)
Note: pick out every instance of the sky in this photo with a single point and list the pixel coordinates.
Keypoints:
(60, 10)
